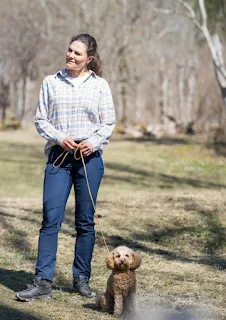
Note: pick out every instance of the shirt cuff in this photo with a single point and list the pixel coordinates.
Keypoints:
(94, 143)
(60, 138)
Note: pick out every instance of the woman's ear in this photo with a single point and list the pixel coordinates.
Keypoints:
(136, 261)
(110, 261)
(89, 59)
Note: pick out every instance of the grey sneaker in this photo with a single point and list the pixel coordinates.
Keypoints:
(81, 286)
(40, 289)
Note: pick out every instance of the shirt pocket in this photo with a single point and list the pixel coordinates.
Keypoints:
(88, 113)
(88, 102)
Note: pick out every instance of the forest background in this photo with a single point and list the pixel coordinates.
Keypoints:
(163, 192)
(155, 58)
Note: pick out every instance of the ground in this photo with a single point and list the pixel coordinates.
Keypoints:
(164, 198)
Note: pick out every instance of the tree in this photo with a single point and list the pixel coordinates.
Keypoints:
(156, 65)
(216, 11)
(213, 42)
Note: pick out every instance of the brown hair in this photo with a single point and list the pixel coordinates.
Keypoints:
(90, 42)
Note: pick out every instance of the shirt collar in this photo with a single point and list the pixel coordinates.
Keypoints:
(63, 73)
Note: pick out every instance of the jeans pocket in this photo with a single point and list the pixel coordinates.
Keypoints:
(50, 156)
(54, 153)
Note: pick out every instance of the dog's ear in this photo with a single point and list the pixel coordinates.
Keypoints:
(136, 260)
(110, 261)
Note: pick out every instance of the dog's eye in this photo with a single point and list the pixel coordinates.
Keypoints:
(118, 256)
(127, 255)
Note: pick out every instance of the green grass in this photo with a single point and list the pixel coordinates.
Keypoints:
(164, 198)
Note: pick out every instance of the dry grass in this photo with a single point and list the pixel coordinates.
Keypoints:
(164, 198)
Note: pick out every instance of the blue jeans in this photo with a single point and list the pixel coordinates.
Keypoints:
(57, 186)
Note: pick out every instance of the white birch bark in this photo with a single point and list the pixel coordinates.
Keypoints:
(164, 92)
(191, 83)
(180, 79)
(213, 43)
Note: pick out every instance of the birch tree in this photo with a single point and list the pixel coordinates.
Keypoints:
(133, 40)
(213, 42)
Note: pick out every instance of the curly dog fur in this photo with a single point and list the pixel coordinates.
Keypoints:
(121, 284)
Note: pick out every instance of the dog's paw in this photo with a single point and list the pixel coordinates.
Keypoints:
(117, 314)
(98, 302)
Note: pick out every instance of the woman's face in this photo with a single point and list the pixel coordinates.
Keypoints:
(76, 56)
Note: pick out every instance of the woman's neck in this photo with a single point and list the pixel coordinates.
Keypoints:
(77, 73)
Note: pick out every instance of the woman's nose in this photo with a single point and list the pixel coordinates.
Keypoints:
(71, 54)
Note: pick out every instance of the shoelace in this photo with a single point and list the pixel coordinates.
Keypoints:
(31, 285)
(84, 284)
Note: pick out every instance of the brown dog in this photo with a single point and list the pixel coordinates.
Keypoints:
(121, 284)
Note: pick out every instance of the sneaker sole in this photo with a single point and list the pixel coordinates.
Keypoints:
(45, 296)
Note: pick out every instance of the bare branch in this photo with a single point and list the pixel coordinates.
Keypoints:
(167, 31)
(217, 60)
(188, 7)
(191, 14)
(61, 9)
(203, 12)
(163, 11)
(48, 18)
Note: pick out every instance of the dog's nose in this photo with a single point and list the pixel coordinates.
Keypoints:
(121, 261)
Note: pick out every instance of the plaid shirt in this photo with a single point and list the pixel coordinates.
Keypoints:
(83, 113)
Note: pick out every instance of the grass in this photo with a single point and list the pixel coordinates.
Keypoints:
(164, 198)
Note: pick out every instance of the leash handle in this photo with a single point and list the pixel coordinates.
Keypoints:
(61, 155)
(64, 157)
(75, 153)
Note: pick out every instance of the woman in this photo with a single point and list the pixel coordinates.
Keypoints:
(75, 110)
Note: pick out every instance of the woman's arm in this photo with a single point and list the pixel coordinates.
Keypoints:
(101, 137)
(43, 125)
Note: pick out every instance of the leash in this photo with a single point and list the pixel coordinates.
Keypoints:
(64, 155)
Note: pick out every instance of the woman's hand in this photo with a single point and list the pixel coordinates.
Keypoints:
(86, 148)
(69, 144)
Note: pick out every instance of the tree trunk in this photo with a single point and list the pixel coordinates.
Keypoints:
(191, 82)
(137, 100)
(3, 114)
(23, 98)
(4, 100)
(216, 51)
(164, 94)
(220, 69)
(123, 81)
(180, 79)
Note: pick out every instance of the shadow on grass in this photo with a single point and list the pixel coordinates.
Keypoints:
(210, 260)
(15, 280)
(146, 178)
(9, 313)
(17, 240)
(33, 221)
(209, 236)
(18, 152)
(150, 139)
(92, 306)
